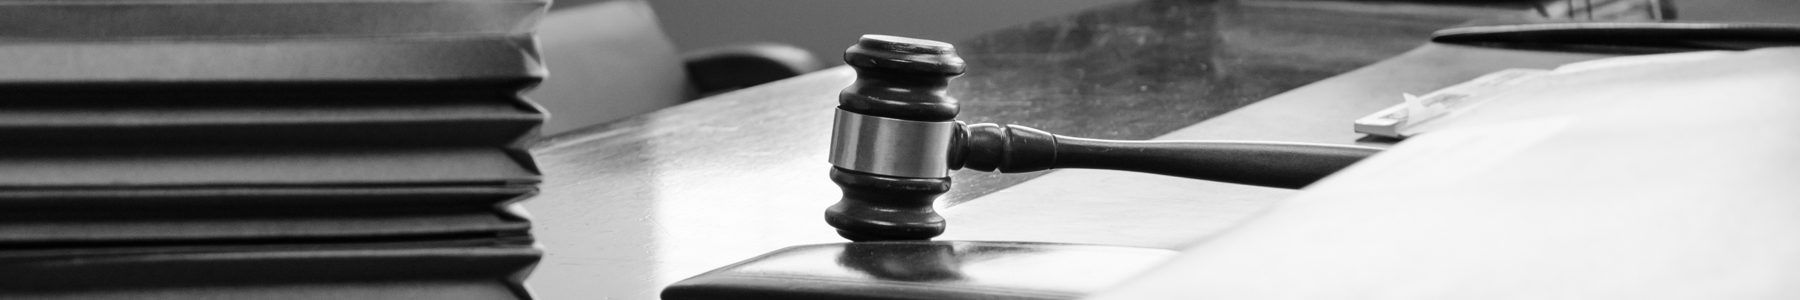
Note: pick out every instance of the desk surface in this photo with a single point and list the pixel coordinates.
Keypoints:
(632, 206)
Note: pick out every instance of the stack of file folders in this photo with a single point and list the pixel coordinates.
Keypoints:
(266, 149)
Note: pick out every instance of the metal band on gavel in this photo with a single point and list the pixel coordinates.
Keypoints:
(892, 147)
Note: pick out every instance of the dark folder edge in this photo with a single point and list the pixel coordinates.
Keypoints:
(100, 63)
(149, 19)
(479, 120)
(202, 270)
(43, 252)
(456, 129)
(283, 198)
(112, 218)
(38, 168)
(174, 230)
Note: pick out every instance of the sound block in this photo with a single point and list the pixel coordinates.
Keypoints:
(924, 270)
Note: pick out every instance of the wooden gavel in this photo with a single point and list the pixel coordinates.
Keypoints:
(895, 140)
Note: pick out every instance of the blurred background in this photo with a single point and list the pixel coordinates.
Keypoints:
(826, 27)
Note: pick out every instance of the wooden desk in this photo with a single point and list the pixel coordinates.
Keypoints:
(632, 206)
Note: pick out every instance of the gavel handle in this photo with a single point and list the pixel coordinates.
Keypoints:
(1270, 164)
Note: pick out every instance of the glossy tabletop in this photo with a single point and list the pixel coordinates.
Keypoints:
(632, 206)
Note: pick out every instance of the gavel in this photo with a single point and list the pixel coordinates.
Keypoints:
(895, 140)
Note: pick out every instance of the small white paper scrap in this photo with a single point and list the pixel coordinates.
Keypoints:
(1398, 121)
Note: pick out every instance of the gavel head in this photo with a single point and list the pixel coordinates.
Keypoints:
(892, 140)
